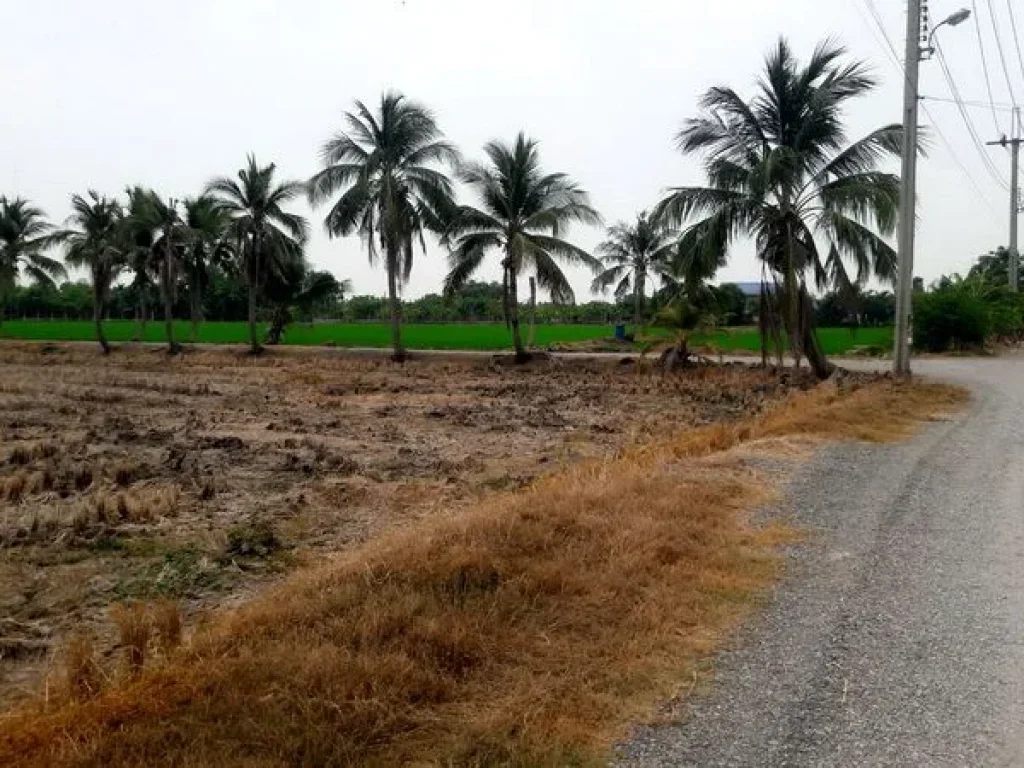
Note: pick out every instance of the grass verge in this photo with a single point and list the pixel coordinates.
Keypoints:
(528, 630)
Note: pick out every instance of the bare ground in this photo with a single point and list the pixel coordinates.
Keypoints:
(202, 477)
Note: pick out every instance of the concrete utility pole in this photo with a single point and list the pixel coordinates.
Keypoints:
(908, 187)
(1014, 145)
(919, 46)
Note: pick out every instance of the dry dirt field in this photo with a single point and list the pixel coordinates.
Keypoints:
(201, 478)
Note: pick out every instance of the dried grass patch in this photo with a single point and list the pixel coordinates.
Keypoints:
(530, 630)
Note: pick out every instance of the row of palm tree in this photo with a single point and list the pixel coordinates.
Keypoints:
(779, 171)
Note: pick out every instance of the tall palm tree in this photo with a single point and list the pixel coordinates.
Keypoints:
(264, 233)
(206, 243)
(96, 238)
(139, 256)
(523, 213)
(155, 223)
(24, 236)
(780, 171)
(168, 245)
(387, 167)
(631, 254)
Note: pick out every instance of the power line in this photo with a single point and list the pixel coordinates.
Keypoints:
(1002, 54)
(978, 144)
(1016, 37)
(873, 10)
(984, 64)
(891, 50)
(974, 104)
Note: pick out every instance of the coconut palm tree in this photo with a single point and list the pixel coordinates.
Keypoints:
(96, 238)
(263, 232)
(24, 236)
(388, 168)
(780, 171)
(169, 225)
(206, 244)
(524, 212)
(139, 256)
(633, 253)
(155, 223)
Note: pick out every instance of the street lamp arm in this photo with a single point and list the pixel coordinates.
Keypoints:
(959, 17)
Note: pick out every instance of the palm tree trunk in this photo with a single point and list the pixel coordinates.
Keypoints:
(762, 324)
(196, 304)
(513, 317)
(504, 296)
(398, 353)
(97, 312)
(815, 355)
(172, 347)
(638, 300)
(279, 320)
(792, 299)
(254, 339)
(142, 310)
(533, 313)
(252, 277)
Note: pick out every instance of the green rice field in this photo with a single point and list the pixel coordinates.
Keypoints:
(451, 336)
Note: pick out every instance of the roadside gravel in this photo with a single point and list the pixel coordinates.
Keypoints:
(898, 637)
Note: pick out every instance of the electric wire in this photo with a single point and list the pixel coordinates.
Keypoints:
(888, 47)
(973, 104)
(954, 91)
(1002, 54)
(984, 65)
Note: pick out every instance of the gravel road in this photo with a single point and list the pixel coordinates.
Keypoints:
(898, 638)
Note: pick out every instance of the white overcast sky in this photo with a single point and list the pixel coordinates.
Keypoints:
(108, 93)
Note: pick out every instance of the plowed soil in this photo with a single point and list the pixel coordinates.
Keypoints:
(203, 477)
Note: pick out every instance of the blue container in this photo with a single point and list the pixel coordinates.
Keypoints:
(620, 332)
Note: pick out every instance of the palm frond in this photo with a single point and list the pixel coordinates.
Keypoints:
(550, 277)
(863, 155)
(869, 252)
(564, 251)
(870, 197)
(466, 259)
(610, 275)
(682, 203)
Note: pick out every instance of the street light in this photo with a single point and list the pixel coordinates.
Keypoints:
(908, 177)
(954, 19)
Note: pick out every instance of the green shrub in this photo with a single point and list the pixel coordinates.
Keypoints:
(1006, 311)
(950, 319)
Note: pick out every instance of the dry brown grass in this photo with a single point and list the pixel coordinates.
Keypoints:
(167, 626)
(13, 487)
(78, 675)
(528, 630)
(124, 472)
(135, 629)
(99, 513)
(879, 412)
